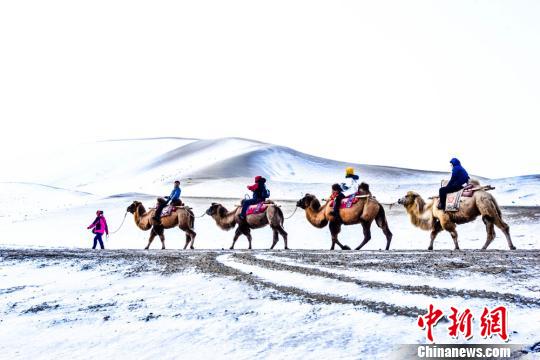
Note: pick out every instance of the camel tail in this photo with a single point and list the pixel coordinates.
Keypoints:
(191, 219)
(380, 219)
(281, 216)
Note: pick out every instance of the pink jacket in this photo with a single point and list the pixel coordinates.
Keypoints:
(99, 225)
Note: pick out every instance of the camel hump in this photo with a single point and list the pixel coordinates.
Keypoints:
(474, 182)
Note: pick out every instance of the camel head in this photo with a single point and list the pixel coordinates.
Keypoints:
(133, 207)
(216, 209)
(412, 200)
(308, 201)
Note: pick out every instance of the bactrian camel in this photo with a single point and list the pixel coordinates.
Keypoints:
(182, 218)
(364, 212)
(227, 220)
(428, 217)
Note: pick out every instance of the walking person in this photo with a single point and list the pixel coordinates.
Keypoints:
(99, 227)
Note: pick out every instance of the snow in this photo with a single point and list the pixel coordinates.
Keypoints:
(465, 281)
(77, 308)
(99, 313)
(222, 168)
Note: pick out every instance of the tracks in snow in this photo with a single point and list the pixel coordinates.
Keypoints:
(333, 277)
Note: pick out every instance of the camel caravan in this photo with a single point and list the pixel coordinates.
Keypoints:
(461, 200)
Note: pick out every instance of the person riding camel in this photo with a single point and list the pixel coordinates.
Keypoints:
(337, 196)
(350, 186)
(459, 179)
(173, 199)
(260, 194)
(346, 189)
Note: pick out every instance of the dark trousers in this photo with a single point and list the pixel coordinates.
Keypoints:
(246, 204)
(445, 190)
(337, 204)
(96, 239)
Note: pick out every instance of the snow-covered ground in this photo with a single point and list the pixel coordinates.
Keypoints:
(305, 303)
(243, 305)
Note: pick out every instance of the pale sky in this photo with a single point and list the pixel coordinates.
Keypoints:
(404, 83)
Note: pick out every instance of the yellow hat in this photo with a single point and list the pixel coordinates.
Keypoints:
(349, 171)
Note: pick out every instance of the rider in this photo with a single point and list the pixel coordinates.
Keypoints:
(260, 194)
(350, 186)
(174, 199)
(337, 196)
(347, 188)
(459, 179)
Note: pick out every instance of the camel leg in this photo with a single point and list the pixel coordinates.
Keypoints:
(381, 222)
(335, 229)
(275, 238)
(190, 238)
(150, 239)
(436, 230)
(451, 228)
(284, 235)
(366, 226)
(246, 231)
(506, 230)
(237, 234)
(193, 234)
(455, 238)
(162, 238)
(490, 229)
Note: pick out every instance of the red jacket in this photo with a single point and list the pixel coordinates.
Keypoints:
(256, 185)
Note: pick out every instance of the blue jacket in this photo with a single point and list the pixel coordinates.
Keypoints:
(175, 195)
(459, 175)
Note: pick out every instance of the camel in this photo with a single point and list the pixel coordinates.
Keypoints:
(227, 220)
(183, 218)
(364, 212)
(428, 217)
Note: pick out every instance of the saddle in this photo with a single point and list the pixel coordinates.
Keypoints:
(258, 208)
(453, 199)
(168, 210)
(346, 202)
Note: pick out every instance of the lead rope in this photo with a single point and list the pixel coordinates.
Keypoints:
(124, 219)
(290, 216)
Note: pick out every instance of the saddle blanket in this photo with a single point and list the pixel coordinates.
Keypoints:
(347, 202)
(168, 210)
(453, 199)
(257, 208)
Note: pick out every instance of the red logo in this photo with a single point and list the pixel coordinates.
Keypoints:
(492, 323)
(430, 320)
(461, 323)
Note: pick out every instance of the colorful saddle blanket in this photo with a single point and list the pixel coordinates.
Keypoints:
(453, 199)
(257, 208)
(168, 210)
(347, 202)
